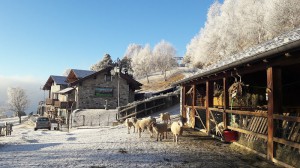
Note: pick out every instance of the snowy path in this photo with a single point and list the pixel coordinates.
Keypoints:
(113, 147)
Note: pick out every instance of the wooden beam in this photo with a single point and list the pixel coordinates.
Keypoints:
(194, 96)
(217, 110)
(270, 144)
(248, 132)
(126, 109)
(286, 118)
(286, 142)
(200, 107)
(274, 105)
(249, 113)
(209, 102)
(183, 101)
(193, 112)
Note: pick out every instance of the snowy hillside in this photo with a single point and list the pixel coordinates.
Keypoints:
(157, 82)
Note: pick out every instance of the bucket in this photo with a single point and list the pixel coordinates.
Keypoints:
(230, 136)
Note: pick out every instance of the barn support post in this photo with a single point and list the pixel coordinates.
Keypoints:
(183, 100)
(274, 91)
(193, 112)
(225, 101)
(209, 102)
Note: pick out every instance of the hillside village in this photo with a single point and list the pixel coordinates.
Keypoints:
(231, 101)
(107, 90)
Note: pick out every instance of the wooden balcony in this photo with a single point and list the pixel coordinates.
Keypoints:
(63, 104)
(50, 101)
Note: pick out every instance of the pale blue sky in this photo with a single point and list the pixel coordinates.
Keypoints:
(39, 38)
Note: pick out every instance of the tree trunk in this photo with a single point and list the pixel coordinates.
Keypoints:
(147, 79)
(19, 115)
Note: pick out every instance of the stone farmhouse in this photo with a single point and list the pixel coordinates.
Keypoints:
(83, 89)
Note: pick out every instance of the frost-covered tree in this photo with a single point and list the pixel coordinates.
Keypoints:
(125, 65)
(66, 72)
(17, 101)
(142, 64)
(281, 16)
(236, 25)
(202, 46)
(163, 54)
(132, 50)
(2, 110)
(104, 63)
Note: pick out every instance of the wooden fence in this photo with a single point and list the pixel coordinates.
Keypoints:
(148, 106)
(253, 126)
(288, 132)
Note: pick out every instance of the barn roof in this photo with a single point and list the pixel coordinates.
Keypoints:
(283, 43)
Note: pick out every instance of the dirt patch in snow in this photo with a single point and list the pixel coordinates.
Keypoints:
(157, 82)
(161, 84)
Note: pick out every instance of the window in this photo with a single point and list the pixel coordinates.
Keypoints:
(103, 92)
(108, 77)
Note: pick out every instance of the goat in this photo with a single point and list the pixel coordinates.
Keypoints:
(160, 129)
(177, 129)
(165, 117)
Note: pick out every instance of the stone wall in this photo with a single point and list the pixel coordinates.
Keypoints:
(88, 100)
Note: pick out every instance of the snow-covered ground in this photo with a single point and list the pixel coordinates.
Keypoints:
(93, 117)
(13, 120)
(111, 146)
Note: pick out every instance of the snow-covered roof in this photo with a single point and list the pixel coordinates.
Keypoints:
(284, 42)
(82, 73)
(133, 83)
(59, 80)
(66, 90)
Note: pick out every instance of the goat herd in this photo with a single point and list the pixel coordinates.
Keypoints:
(160, 129)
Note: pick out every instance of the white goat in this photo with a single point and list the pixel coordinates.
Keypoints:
(177, 129)
(160, 129)
(165, 117)
(129, 124)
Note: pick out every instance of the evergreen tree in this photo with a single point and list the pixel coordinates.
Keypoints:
(104, 63)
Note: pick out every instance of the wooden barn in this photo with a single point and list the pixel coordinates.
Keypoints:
(251, 98)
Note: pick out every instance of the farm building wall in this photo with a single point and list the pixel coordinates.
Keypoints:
(94, 92)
